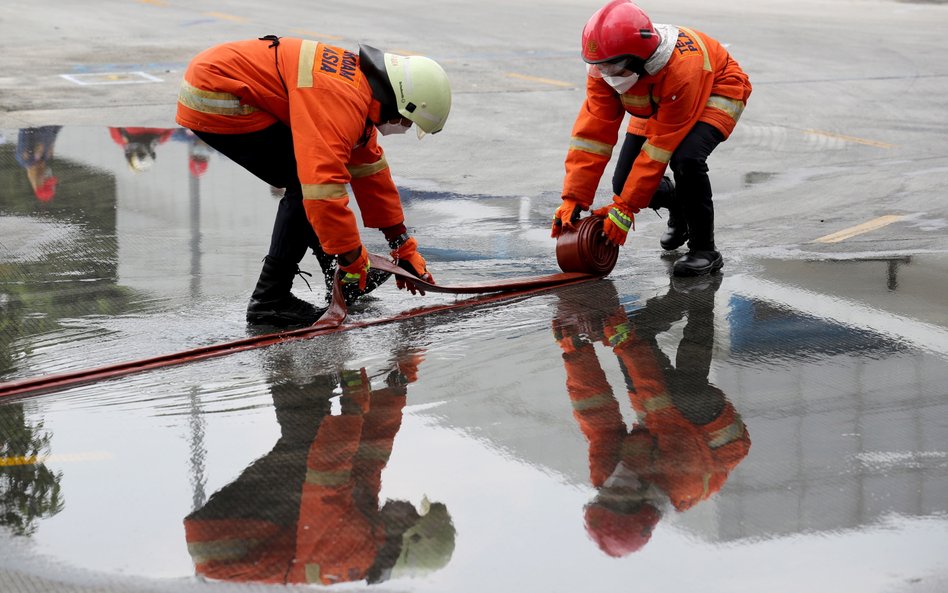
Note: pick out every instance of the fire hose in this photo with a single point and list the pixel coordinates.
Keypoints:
(583, 255)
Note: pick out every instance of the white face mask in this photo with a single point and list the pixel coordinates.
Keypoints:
(390, 128)
(621, 83)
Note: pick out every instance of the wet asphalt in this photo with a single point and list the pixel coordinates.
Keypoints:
(779, 426)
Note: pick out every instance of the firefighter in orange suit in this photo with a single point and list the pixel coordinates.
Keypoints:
(687, 437)
(685, 94)
(305, 116)
(308, 512)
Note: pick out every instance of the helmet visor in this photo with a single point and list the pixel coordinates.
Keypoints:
(613, 67)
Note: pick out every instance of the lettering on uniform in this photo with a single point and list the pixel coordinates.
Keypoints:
(348, 67)
(341, 63)
(685, 44)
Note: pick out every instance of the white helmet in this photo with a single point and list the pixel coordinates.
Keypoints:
(422, 91)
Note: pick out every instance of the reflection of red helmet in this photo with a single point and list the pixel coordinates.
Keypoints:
(619, 30)
(620, 534)
(197, 167)
(46, 190)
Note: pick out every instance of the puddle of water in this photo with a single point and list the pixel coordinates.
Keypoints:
(712, 432)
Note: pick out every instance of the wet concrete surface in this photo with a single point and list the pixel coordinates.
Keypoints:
(780, 426)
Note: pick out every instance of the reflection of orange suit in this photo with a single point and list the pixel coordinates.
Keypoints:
(122, 136)
(687, 437)
(332, 531)
(247, 86)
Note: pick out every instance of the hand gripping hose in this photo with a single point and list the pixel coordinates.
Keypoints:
(583, 255)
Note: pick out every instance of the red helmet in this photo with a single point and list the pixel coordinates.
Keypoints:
(619, 534)
(619, 31)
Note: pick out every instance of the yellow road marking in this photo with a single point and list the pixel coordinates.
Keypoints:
(314, 35)
(543, 80)
(228, 17)
(859, 229)
(875, 143)
(37, 459)
(154, 2)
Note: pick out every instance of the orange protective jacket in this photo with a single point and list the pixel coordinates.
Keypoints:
(320, 92)
(700, 82)
(687, 461)
(339, 532)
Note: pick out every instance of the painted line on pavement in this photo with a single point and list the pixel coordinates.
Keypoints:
(551, 81)
(227, 17)
(875, 143)
(37, 459)
(876, 223)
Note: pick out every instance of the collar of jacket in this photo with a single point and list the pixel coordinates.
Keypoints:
(669, 37)
(372, 64)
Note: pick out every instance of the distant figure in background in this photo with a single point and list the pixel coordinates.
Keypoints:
(684, 93)
(34, 152)
(686, 437)
(140, 144)
(305, 116)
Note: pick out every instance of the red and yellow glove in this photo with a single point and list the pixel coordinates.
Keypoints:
(406, 256)
(356, 391)
(357, 271)
(566, 216)
(619, 220)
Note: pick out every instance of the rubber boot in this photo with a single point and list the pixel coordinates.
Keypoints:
(677, 232)
(272, 303)
(665, 197)
(702, 257)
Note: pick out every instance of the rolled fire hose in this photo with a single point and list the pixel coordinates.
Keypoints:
(583, 255)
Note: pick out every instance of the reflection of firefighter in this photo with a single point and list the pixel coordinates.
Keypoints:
(686, 438)
(308, 511)
(140, 144)
(199, 153)
(34, 152)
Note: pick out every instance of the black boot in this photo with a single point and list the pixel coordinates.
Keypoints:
(698, 262)
(272, 303)
(665, 197)
(677, 232)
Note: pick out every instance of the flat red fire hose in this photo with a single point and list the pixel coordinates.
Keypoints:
(583, 255)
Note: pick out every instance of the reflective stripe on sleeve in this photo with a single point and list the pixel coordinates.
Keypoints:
(586, 145)
(590, 403)
(635, 100)
(324, 191)
(732, 107)
(368, 451)
(228, 549)
(656, 154)
(304, 73)
(327, 478)
(211, 102)
(728, 434)
(658, 402)
(365, 170)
